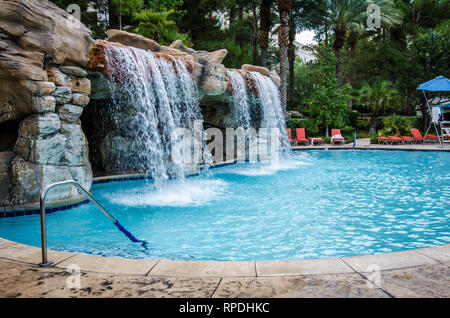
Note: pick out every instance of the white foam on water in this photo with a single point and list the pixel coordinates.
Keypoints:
(269, 169)
(179, 193)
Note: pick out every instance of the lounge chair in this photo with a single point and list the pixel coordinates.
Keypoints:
(390, 140)
(418, 136)
(383, 140)
(292, 141)
(407, 139)
(396, 140)
(300, 132)
(312, 140)
(430, 137)
(335, 132)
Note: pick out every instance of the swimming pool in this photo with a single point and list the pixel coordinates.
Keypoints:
(317, 204)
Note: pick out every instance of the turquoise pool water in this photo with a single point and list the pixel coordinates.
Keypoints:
(318, 204)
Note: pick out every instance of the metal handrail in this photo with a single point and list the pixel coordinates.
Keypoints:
(44, 192)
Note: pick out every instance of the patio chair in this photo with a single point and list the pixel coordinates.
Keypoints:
(292, 141)
(383, 140)
(418, 136)
(430, 138)
(407, 140)
(312, 140)
(396, 140)
(334, 137)
(300, 134)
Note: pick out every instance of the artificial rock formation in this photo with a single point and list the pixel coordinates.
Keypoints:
(43, 89)
(206, 68)
(51, 72)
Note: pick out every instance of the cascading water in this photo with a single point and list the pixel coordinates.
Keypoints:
(151, 97)
(241, 107)
(270, 103)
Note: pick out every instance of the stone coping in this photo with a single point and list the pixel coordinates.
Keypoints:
(31, 255)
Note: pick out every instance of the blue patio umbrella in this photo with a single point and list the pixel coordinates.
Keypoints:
(438, 84)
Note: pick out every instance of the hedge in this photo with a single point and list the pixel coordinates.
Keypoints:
(309, 124)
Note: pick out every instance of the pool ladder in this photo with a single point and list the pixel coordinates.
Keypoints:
(83, 191)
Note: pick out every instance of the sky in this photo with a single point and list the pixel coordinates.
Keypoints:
(305, 37)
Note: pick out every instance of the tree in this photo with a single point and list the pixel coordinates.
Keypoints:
(284, 8)
(349, 14)
(157, 26)
(265, 23)
(326, 103)
(378, 96)
(254, 34)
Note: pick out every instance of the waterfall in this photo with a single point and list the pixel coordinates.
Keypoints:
(240, 101)
(151, 97)
(272, 115)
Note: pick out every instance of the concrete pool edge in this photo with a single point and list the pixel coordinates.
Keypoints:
(31, 255)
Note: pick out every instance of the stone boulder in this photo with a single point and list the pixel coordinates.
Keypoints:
(214, 80)
(5, 159)
(31, 32)
(275, 78)
(76, 145)
(215, 57)
(27, 180)
(70, 113)
(252, 68)
(132, 39)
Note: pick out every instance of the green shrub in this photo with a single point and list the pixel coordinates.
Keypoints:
(416, 122)
(396, 126)
(362, 125)
(309, 124)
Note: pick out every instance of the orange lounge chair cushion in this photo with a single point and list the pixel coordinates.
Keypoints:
(289, 134)
(416, 134)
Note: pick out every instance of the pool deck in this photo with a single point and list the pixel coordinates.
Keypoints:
(413, 273)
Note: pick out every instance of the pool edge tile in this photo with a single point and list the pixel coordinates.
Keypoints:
(110, 265)
(388, 261)
(302, 267)
(204, 269)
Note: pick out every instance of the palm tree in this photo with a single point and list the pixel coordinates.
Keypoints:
(264, 28)
(254, 34)
(157, 26)
(349, 14)
(378, 96)
(284, 8)
(291, 58)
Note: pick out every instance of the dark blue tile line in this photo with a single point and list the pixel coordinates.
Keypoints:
(38, 211)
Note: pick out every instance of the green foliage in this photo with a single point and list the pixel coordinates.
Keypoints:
(309, 124)
(377, 96)
(396, 126)
(362, 124)
(129, 7)
(157, 26)
(327, 104)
